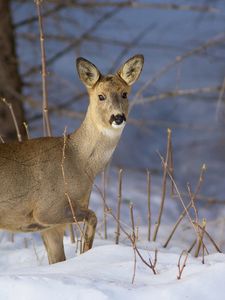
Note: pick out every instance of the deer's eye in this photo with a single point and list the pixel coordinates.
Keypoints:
(124, 95)
(101, 97)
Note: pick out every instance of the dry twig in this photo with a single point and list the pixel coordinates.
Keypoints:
(181, 267)
(19, 137)
(209, 237)
(193, 223)
(46, 121)
(104, 18)
(26, 129)
(133, 237)
(165, 165)
(149, 203)
(186, 209)
(104, 208)
(149, 265)
(192, 246)
(219, 39)
(119, 205)
(200, 239)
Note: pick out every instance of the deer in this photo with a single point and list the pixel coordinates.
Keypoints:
(32, 184)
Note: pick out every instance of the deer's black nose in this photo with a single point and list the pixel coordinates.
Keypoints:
(118, 119)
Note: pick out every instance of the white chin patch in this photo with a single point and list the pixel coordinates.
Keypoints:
(120, 126)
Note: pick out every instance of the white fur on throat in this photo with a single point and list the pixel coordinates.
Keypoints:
(113, 132)
(120, 126)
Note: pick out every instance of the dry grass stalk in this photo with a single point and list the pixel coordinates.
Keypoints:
(193, 223)
(26, 129)
(210, 238)
(149, 204)
(200, 239)
(150, 265)
(66, 184)
(132, 222)
(46, 121)
(104, 202)
(194, 196)
(192, 246)
(19, 137)
(137, 228)
(133, 237)
(165, 166)
(153, 264)
(180, 197)
(109, 211)
(171, 165)
(119, 200)
(200, 233)
(182, 215)
(203, 255)
(183, 265)
(191, 203)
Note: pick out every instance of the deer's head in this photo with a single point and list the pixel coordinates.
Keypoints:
(109, 94)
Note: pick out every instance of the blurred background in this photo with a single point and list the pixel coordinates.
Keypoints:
(182, 85)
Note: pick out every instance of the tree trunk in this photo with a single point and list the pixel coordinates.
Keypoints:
(10, 81)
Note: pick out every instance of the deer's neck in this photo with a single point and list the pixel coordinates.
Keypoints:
(94, 146)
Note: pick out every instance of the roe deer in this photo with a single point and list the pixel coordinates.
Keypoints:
(32, 185)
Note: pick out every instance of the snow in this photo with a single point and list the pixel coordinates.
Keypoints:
(106, 271)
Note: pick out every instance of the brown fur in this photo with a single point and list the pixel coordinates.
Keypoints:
(32, 186)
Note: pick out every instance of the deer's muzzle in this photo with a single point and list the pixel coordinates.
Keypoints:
(118, 120)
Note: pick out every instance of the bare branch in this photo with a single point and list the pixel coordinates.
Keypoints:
(119, 205)
(134, 240)
(46, 121)
(210, 238)
(26, 129)
(19, 137)
(133, 42)
(141, 5)
(149, 203)
(165, 165)
(104, 18)
(219, 39)
(35, 18)
(177, 93)
(200, 241)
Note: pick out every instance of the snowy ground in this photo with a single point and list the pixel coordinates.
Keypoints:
(106, 271)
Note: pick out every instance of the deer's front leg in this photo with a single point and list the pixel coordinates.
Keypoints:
(91, 222)
(53, 241)
(64, 215)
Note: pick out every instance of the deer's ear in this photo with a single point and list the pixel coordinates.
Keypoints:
(131, 70)
(88, 72)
